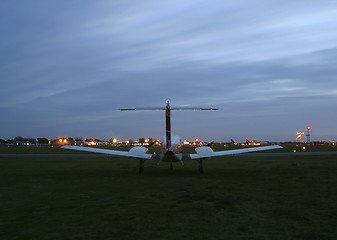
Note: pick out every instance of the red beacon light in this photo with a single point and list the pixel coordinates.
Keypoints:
(308, 128)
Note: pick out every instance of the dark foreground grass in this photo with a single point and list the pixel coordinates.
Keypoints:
(236, 198)
(12, 149)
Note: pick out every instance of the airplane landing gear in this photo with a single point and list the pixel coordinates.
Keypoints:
(140, 166)
(201, 169)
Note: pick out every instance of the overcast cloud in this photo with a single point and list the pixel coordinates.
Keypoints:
(66, 66)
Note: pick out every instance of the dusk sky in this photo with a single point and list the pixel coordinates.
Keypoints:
(67, 66)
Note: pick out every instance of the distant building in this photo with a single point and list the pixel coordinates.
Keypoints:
(62, 141)
(79, 143)
(24, 141)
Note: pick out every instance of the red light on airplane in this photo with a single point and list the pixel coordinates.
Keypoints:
(308, 128)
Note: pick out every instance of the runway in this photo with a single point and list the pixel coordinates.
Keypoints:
(90, 155)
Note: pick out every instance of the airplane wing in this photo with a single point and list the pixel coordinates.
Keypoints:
(206, 152)
(140, 152)
(136, 152)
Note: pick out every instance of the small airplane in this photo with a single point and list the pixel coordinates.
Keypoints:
(171, 143)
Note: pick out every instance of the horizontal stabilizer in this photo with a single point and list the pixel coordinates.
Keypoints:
(195, 108)
(143, 108)
(165, 108)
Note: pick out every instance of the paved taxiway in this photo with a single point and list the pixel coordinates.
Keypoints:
(70, 155)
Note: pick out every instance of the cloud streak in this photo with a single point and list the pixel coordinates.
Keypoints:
(266, 63)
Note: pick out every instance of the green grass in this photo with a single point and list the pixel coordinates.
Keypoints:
(236, 198)
(286, 148)
(12, 149)
(217, 147)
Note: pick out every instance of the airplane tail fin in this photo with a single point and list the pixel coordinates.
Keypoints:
(168, 109)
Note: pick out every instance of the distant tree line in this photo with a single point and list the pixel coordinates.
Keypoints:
(20, 139)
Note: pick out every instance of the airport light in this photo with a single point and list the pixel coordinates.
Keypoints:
(62, 141)
(299, 136)
(308, 134)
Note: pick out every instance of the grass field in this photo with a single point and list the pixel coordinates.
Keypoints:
(12, 149)
(186, 149)
(102, 198)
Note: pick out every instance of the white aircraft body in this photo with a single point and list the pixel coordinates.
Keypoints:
(172, 144)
